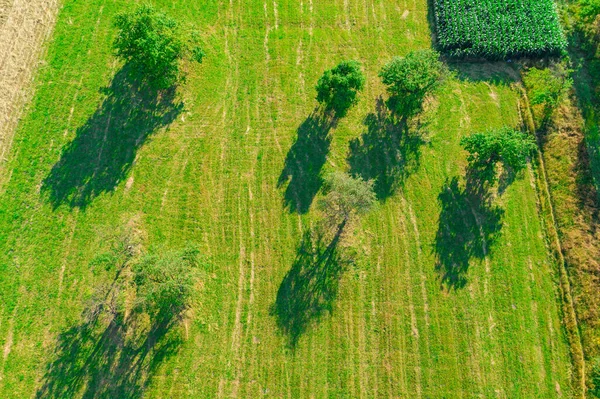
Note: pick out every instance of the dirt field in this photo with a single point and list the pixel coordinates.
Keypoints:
(24, 25)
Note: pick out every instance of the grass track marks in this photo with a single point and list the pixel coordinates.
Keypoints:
(222, 185)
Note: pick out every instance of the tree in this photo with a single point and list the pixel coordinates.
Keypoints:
(410, 79)
(346, 197)
(338, 87)
(164, 284)
(150, 42)
(506, 145)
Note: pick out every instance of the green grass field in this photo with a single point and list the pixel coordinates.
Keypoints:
(209, 173)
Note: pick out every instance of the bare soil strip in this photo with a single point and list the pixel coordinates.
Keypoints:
(24, 26)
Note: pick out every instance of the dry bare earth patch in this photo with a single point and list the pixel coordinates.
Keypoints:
(24, 24)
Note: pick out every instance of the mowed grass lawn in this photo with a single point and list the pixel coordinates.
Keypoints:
(210, 176)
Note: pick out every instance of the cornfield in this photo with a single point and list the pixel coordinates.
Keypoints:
(498, 29)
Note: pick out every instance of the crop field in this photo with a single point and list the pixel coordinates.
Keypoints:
(498, 29)
(445, 297)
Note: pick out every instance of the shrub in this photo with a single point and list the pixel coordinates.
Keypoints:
(345, 197)
(545, 90)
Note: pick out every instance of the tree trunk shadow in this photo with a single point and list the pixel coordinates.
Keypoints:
(310, 287)
(305, 160)
(104, 148)
(109, 355)
(387, 152)
(468, 227)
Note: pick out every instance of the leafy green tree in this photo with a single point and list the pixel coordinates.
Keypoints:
(164, 284)
(410, 79)
(506, 145)
(338, 87)
(346, 197)
(150, 42)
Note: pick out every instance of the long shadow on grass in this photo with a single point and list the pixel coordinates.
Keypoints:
(305, 160)
(110, 355)
(468, 227)
(386, 153)
(310, 287)
(498, 73)
(586, 80)
(104, 148)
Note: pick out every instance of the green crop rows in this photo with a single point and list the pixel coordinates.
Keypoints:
(498, 29)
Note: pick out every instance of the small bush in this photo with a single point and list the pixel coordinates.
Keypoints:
(545, 90)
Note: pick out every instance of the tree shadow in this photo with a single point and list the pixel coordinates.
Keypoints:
(497, 73)
(585, 64)
(104, 148)
(305, 160)
(468, 227)
(111, 354)
(388, 152)
(310, 287)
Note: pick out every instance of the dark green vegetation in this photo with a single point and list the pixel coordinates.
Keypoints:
(508, 146)
(150, 42)
(410, 79)
(546, 89)
(389, 151)
(368, 315)
(498, 29)
(471, 220)
(338, 87)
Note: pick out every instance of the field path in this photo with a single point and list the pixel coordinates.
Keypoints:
(24, 26)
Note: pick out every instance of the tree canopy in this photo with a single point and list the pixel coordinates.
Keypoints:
(338, 87)
(164, 283)
(346, 197)
(410, 79)
(506, 145)
(150, 42)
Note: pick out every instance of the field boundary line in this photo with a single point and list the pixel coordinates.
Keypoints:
(551, 229)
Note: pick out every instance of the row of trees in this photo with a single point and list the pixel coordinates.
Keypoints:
(151, 44)
(408, 81)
